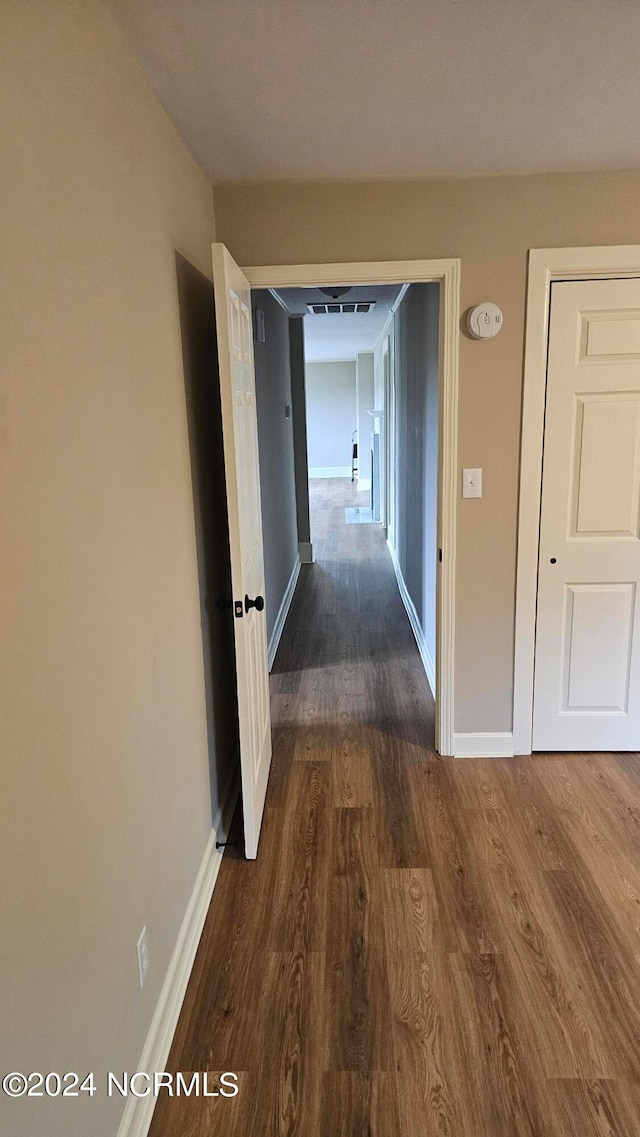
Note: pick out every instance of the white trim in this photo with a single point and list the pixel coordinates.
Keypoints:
(359, 272)
(283, 612)
(483, 744)
(447, 273)
(278, 299)
(399, 298)
(334, 359)
(138, 1112)
(364, 485)
(380, 354)
(389, 322)
(385, 343)
(428, 661)
(305, 552)
(329, 471)
(447, 505)
(391, 436)
(545, 266)
(379, 380)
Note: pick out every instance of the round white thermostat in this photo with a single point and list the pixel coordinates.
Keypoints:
(484, 321)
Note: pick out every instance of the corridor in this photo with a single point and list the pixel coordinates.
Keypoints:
(424, 946)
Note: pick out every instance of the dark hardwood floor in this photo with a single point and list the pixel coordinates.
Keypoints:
(424, 946)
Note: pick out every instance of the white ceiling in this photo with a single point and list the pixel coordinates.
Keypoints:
(296, 299)
(341, 337)
(394, 88)
(331, 337)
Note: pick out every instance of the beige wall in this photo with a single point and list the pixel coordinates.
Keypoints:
(105, 806)
(490, 223)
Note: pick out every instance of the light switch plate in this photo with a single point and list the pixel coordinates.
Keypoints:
(472, 483)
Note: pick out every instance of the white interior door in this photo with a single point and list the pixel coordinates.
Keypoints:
(587, 666)
(240, 432)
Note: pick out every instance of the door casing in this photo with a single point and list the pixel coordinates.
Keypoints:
(447, 273)
(545, 267)
(389, 450)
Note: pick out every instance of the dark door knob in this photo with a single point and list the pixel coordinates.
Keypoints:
(258, 603)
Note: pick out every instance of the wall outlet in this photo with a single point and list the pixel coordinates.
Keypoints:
(142, 952)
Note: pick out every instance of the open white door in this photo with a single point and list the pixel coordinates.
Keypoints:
(240, 431)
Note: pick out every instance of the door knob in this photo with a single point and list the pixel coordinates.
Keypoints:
(221, 603)
(258, 603)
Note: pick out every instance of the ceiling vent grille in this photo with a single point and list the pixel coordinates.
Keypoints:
(333, 308)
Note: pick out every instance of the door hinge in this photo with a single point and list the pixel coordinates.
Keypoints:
(440, 555)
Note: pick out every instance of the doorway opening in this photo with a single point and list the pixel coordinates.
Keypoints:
(347, 338)
(365, 409)
(263, 396)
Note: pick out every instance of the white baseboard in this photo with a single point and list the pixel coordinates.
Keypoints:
(364, 484)
(305, 552)
(282, 614)
(483, 744)
(428, 662)
(138, 1112)
(329, 471)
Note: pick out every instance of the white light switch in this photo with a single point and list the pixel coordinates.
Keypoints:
(472, 483)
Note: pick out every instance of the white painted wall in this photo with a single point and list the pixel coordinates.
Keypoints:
(331, 417)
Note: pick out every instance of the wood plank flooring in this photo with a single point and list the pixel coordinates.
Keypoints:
(425, 947)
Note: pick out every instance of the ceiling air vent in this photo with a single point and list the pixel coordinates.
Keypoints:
(335, 309)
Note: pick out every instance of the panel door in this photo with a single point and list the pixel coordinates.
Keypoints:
(242, 473)
(587, 666)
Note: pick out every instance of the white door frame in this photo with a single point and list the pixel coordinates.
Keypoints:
(545, 267)
(389, 457)
(447, 274)
(391, 423)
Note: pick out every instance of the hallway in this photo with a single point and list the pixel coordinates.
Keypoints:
(425, 946)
